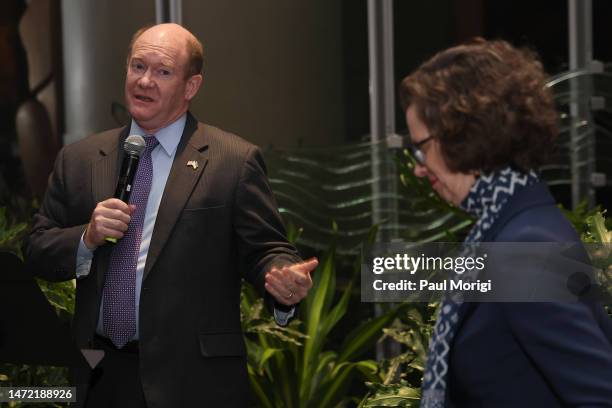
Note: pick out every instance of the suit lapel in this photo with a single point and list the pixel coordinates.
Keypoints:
(106, 166)
(179, 186)
(104, 170)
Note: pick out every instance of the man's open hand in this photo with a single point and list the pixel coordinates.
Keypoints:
(290, 284)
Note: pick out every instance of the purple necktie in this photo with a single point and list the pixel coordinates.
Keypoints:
(119, 294)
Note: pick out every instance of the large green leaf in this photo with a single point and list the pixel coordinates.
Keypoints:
(316, 305)
(337, 312)
(266, 355)
(366, 335)
(333, 390)
(600, 233)
(396, 395)
(259, 389)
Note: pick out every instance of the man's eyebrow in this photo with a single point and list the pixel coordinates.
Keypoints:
(167, 64)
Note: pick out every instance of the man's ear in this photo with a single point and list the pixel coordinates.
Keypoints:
(193, 85)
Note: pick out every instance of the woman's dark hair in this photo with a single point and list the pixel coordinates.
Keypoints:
(487, 104)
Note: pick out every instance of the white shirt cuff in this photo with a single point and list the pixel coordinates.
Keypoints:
(83, 259)
(282, 318)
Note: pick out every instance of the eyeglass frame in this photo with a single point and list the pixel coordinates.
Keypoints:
(417, 153)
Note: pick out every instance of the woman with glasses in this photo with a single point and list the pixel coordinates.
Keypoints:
(481, 123)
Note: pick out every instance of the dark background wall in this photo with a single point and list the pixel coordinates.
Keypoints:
(423, 28)
(274, 69)
(296, 73)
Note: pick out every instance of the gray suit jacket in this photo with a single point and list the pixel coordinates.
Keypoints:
(216, 224)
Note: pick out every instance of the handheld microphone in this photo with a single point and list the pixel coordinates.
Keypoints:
(133, 147)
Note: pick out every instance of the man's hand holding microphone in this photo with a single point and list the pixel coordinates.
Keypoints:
(110, 219)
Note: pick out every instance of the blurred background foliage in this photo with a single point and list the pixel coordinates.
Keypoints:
(15, 219)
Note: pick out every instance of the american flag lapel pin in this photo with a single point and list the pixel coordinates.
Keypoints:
(193, 163)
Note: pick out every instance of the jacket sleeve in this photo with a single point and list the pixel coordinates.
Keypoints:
(51, 248)
(568, 347)
(261, 237)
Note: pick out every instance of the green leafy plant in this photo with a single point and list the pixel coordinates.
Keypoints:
(400, 377)
(11, 233)
(594, 228)
(599, 231)
(60, 295)
(399, 394)
(579, 217)
(298, 366)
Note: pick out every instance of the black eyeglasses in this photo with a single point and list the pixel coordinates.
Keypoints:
(417, 153)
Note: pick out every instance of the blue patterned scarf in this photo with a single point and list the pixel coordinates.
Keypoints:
(485, 201)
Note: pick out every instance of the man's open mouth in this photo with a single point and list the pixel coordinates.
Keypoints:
(143, 98)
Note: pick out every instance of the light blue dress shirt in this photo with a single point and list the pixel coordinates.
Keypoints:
(162, 157)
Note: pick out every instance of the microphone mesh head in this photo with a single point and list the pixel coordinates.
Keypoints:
(134, 144)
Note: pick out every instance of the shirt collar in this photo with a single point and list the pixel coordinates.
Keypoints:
(168, 137)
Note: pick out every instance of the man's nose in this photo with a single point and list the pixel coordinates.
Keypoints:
(145, 81)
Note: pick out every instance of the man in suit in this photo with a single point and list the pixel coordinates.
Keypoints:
(163, 303)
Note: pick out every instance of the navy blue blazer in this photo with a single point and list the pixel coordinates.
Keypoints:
(531, 354)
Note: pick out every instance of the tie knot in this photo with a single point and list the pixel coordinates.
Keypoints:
(151, 142)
